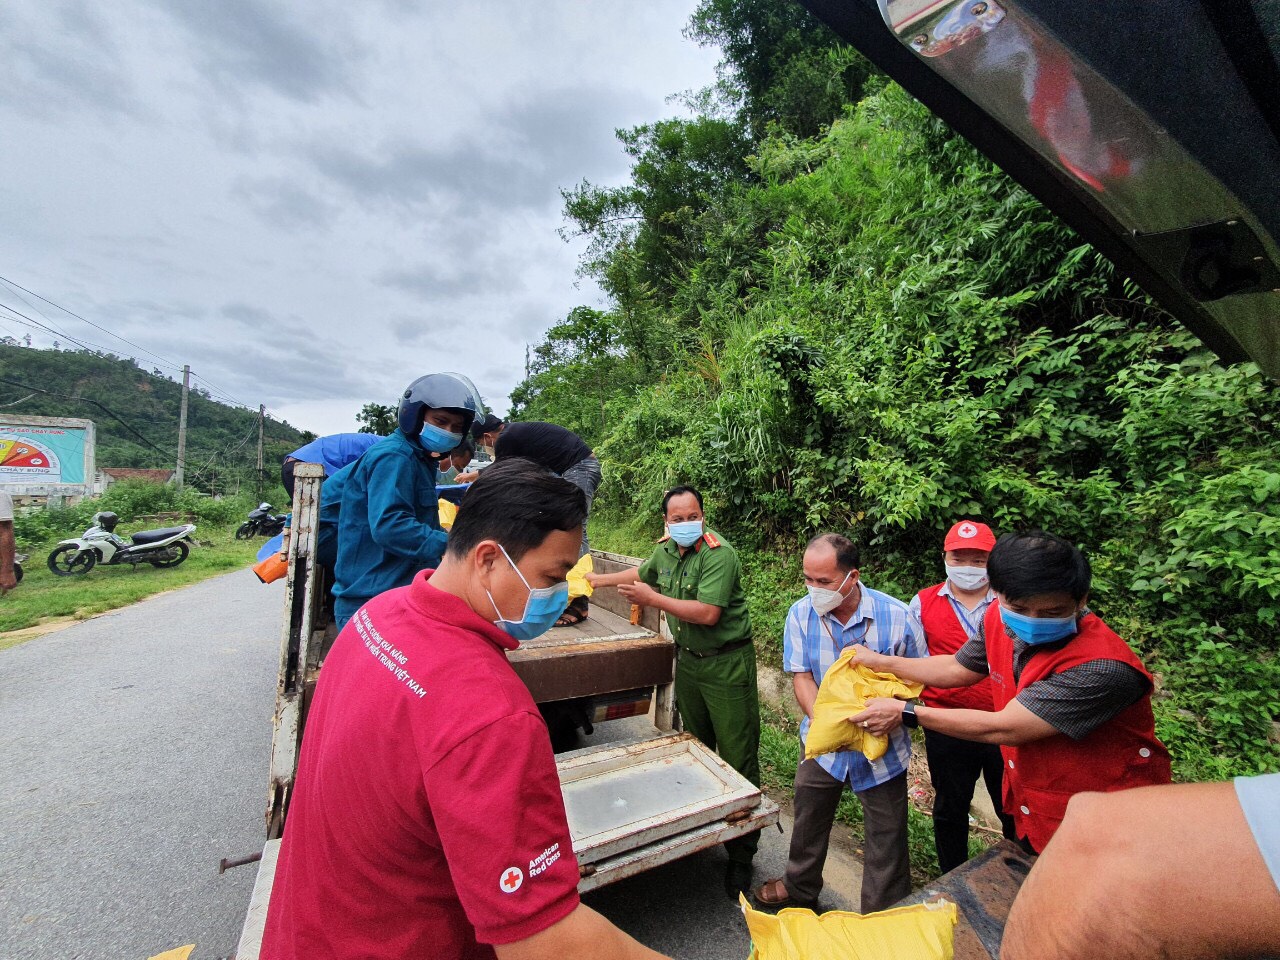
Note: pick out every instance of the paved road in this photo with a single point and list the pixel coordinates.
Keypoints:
(133, 754)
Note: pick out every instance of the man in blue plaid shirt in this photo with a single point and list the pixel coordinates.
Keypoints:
(839, 611)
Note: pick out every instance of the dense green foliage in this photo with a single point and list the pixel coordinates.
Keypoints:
(874, 330)
(135, 415)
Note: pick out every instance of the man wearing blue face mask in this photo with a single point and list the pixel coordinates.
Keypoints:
(427, 818)
(694, 577)
(1072, 701)
(389, 524)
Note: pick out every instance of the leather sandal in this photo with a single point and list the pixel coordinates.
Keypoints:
(774, 893)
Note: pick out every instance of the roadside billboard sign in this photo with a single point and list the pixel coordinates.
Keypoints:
(46, 456)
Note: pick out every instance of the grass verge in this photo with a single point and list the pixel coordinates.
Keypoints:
(43, 597)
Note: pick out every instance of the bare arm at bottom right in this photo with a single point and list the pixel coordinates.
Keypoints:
(1169, 871)
(582, 935)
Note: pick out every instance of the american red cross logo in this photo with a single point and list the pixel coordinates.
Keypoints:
(512, 878)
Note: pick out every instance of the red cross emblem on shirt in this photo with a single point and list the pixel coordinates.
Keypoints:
(512, 878)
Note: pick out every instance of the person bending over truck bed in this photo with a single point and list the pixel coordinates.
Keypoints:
(427, 819)
(389, 523)
(1072, 701)
(694, 577)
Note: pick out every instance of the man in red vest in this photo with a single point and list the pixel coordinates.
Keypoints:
(1072, 701)
(951, 613)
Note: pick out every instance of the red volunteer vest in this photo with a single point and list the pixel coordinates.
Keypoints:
(945, 634)
(1040, 777)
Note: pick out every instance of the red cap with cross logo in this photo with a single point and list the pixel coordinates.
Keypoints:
(969, 535)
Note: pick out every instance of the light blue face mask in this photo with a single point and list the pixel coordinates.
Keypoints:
(541, 610)
(1035, 631)
(436, 440)
(445, 475)
(687, 533)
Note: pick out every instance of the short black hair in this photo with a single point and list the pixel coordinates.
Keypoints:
(1028, 564)
(516, 502)
(679, 492)
(846, 550)
(489, 424)
(466, 446)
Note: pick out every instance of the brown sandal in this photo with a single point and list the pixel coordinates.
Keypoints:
(774, 893)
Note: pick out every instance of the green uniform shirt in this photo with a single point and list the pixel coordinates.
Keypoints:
(709, 572)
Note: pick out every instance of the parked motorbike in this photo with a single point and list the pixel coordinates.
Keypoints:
(99, 544)
(261, 522)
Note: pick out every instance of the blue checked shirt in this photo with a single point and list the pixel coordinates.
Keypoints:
(883, 624)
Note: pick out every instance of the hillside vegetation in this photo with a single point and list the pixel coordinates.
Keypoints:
(829, 312)
(221, 440)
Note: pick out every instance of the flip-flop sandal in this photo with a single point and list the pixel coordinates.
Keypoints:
(570, 617)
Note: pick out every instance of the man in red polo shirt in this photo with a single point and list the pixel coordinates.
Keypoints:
(951, 614)
(427, 819)
(1072, 701)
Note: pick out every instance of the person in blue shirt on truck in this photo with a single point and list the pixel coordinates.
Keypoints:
(333, 452)
(388, 523)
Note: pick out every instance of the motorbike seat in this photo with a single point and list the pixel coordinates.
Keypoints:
(151, 536)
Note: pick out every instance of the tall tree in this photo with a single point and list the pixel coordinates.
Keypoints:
(376, 418)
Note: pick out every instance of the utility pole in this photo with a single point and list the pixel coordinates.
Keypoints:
(182, 428)
(262, 411)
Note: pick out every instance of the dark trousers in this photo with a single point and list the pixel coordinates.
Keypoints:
(886, 864)
(286, 479)
(954, 768)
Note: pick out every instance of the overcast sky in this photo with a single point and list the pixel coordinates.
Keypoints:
(312, 204)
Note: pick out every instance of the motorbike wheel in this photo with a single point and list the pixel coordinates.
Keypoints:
(70, 561)
(171, 561)
(246, 531)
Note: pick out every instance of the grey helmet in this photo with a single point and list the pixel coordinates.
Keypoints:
(106, 520)
(448, 391)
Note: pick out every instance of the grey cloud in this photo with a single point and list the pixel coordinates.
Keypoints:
(530, 148)
(254, 40)
(81, 71)
(434, 281)
(283, 203)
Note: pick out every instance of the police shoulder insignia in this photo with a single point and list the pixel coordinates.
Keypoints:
(711, 540)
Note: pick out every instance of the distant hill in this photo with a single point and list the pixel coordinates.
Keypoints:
(221, 440)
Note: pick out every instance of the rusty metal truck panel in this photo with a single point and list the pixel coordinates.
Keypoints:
(984, 889)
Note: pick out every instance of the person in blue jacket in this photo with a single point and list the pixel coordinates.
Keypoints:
(389, 524)
(334, 452)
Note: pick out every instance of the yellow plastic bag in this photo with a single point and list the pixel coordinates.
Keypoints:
(845, 690)
(922, 932)
(578, 586)
(448, 513)
(181, 953)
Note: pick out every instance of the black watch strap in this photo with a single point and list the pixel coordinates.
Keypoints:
(909, 718)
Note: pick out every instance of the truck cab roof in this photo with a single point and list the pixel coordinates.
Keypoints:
(1151, 129)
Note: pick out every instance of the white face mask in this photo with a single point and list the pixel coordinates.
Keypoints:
(824, 600)
(967, 578)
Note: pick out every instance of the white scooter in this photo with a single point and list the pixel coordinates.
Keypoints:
(160, 548)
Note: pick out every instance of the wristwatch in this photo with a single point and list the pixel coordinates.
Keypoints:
(909, 718)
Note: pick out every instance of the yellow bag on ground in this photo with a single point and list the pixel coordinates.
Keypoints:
(448, 513)
(922, 932)
(578, 586)
(845, 690)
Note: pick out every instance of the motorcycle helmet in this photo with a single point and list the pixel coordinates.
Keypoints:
(447, 391)
(107, 520)
(264, 507)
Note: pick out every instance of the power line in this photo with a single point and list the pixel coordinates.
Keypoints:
(101, 406)
(97, 326)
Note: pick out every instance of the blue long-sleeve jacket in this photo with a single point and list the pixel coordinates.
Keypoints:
(389, 524)
(330, 510)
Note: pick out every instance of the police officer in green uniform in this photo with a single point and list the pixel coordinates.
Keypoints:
(694, 577)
